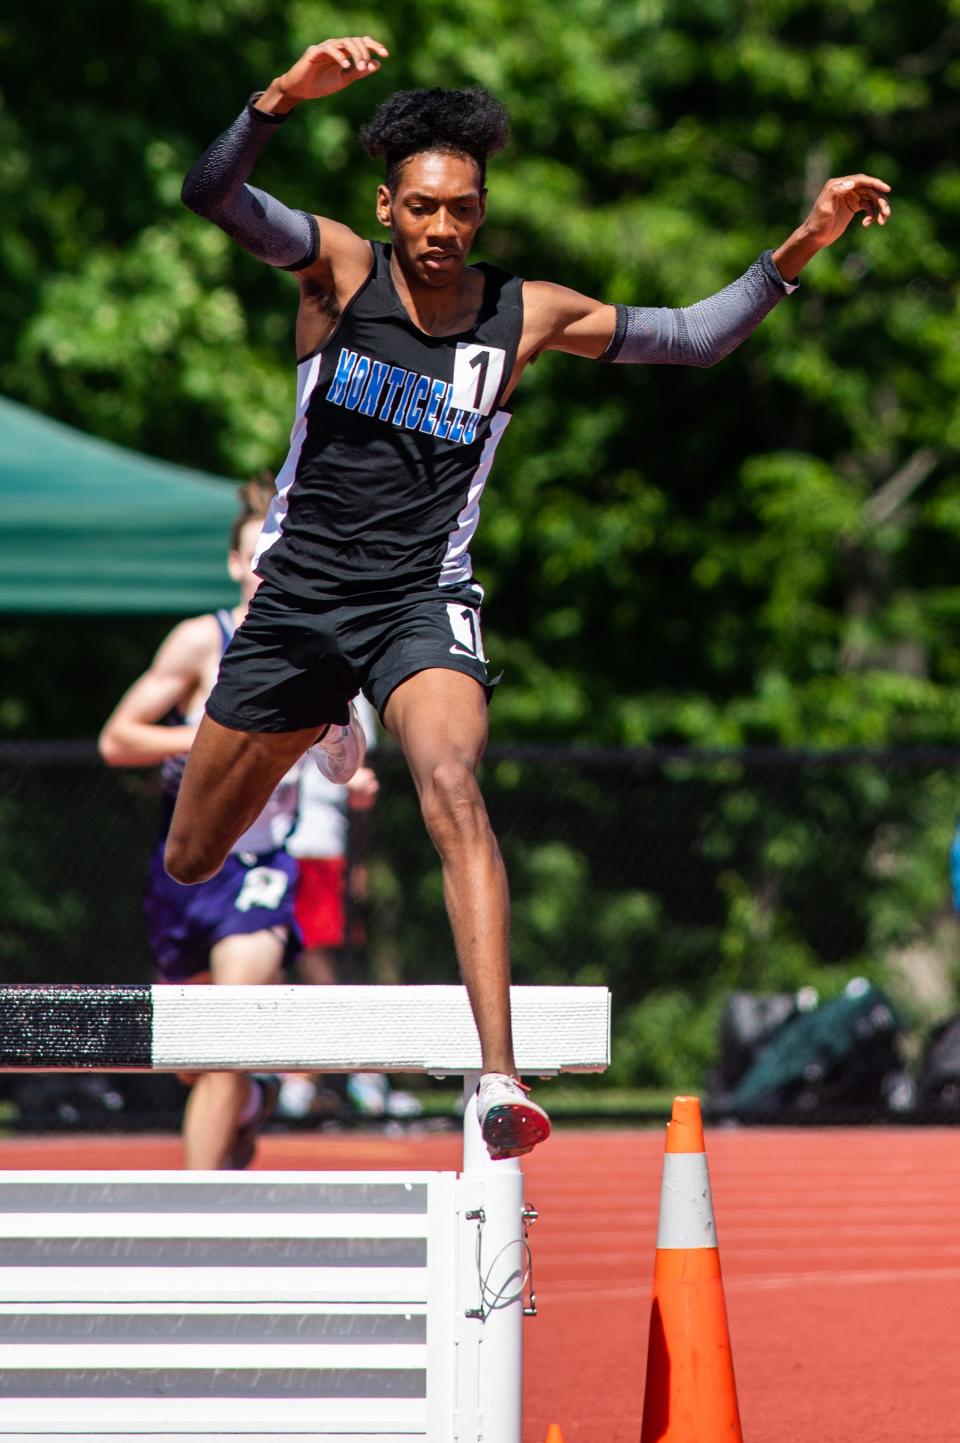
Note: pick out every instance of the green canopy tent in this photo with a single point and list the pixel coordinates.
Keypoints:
(91, 528)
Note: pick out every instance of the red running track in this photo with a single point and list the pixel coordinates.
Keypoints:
(840, 1253)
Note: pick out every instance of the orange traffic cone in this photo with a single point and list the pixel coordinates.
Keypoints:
(690, 1393)
(553, 1434)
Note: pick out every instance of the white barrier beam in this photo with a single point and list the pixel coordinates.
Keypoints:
(53, 1027)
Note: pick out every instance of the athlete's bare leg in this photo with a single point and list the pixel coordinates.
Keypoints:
(440, 720)
(217, 1099)
(228, 778)
(317, 966)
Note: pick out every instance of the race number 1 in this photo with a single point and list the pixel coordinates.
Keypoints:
(465, 625)
(477, 373)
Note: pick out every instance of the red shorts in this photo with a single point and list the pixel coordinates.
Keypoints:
(321, 898)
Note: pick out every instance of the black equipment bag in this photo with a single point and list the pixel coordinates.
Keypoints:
(938, 1081)
(749, 1019)
(839, 1059)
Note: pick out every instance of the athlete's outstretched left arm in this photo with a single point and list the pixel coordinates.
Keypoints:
(558, 319)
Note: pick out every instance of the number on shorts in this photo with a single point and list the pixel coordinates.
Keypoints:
(465, 625)
(262, 887)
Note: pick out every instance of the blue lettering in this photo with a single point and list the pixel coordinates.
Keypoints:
(371, 396)
(404, 398)
(415, 409)
(360, 373)
(443, 423)
(421, 402)
(437, 392)
(345, 364)
(393, 381)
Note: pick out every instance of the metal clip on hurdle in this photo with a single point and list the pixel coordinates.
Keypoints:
(343, 1307)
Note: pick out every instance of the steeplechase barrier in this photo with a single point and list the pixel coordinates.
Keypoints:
(338, 1307)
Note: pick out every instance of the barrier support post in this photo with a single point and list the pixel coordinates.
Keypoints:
(491, 1291)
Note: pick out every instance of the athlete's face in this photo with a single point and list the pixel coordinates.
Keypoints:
(240, 562)
(434, 214)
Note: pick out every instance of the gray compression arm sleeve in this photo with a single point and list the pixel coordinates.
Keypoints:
(215, 188)
(702, 334)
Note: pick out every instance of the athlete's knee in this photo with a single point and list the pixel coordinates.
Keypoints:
(452, 804)
(187, 863)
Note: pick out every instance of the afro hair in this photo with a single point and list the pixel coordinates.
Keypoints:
(461, 122)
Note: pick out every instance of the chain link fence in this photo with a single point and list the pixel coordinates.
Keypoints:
(677, 878)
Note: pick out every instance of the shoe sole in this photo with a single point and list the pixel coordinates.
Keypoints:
(340, 775)
(514, 1129)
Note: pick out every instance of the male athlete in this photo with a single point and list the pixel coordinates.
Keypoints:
(408, 357)
(239, 927)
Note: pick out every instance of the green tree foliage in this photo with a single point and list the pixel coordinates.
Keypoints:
(758, 554)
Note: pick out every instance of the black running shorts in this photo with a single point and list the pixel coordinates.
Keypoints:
(294, 664)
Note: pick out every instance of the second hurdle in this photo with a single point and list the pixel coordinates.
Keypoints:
(341, 1307)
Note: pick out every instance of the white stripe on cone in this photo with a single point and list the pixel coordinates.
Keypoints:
(686, 1209)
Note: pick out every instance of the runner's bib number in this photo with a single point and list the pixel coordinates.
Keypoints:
(477, 373)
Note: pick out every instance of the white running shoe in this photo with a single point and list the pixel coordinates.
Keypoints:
(341, 750)
(509, 1122)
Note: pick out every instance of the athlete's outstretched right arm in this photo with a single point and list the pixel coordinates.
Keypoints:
(216, 185)
(215, 188)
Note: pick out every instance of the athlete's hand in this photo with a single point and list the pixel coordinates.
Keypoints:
(840, 200)
(834, 209)
(323, 70)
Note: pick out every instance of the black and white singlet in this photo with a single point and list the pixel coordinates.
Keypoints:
(393, 440)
